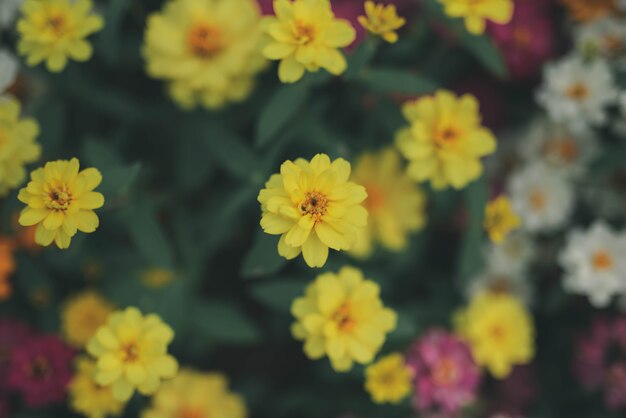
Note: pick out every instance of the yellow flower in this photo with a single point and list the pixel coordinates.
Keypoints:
(500, 219)
(17, 145)
(476, 12)
(394, 202)
(305, 35)
(382, 20)
(156, 278)
(60, 200)
(87, 397)
(389, 379)
(499, 331)
(193, 394)
(445, 140)
(131, 353)
(313, 206)
(208, 51)
(341, 316)
(55, 30)
(82, 316)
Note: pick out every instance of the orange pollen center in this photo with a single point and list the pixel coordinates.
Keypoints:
(130, 353)
(537, 200)
(303, 32)
(343, 319)
(39, 368)
(445, 372)
(446, 137)
(577, 91)
(522, 36)
(190, 412)
(314, 204)
(204, 40)
(497, 332)
(602, 261)
(566, 149)
(614, 44)
(56, 23)
(375, 197)
(59, 199)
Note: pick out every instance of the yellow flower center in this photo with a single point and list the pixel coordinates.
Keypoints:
(537, 200)
(59, 199)
(447, 137)
(304, 33)
(565, 148)
(57, 23)
(343, 318)
(205, 40)
(190, 412)
(497, 332)
(130, 352)
(445, 372)
(314, 204)
(375, 197)
(577, 91)
(38, 368)
(602, 261)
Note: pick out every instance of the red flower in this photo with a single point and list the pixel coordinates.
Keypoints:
(12, 333)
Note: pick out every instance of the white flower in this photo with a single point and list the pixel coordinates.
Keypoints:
(501, 281)
(8, 70)
(606, 37)
(577, 93)
(8, 10)
(541, 197)
(514, 254)
(595, 263)
(567, 152)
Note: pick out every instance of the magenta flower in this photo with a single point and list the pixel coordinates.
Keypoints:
(4, 406)
(40, 370)
(527, 40)
(12, 333)
(517, 392)
(446, 377)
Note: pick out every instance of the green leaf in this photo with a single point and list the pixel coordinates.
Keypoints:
(262, 259)
(100, 155)
(360, 58)
(148, 236)
(471, 260)
(117, 181)
(389, 80)
(280, 109)
(223, 322)
(278, 295)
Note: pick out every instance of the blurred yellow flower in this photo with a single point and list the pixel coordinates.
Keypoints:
(305, 35)
(500, 219)
(60, 200)
(87, 397)
(131, 353)
(499, 331)
(395, 204)
(445, 140)
(477, 12)
(156, 278)
(17, 145)
(389, 379)
(382, 20)
(82, 315)
(55, 30)
(342, 316)
(313, 206)
(207, 50)
(193, 394)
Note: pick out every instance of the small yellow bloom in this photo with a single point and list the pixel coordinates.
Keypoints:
(305, 35)
(389, 379)
(82, 316)
(394, 202)
(131, 353)
(342, 316)
(313, 206)
(156, 278)
(477, 12)
(87, 397)
(382, 20)
(499, 331)
(17, 145)
(192, 394)
(55, 30)
(60, 200)
(500, 219)
(445, 140)
(208, 51)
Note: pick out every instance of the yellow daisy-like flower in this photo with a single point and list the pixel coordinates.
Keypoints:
(82, 316)
(17, 145)
(131, 353)
(89, 398)
(313, 206)
(499, 331)
(341, 316)
(382, 20)
(389, 380)
(477, 12)
(60, 200)
(192, 394)
(394, 202)
(445, 140)
(306, 36)
(207, 50)
(500, 219)
(55, 30)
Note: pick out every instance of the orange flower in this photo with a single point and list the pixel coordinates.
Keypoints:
(7, 266)
(586, 11)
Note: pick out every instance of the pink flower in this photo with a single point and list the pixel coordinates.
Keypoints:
(527, 40)
(40, 370)
(516, 392)
(446, 377)
(12, 333)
